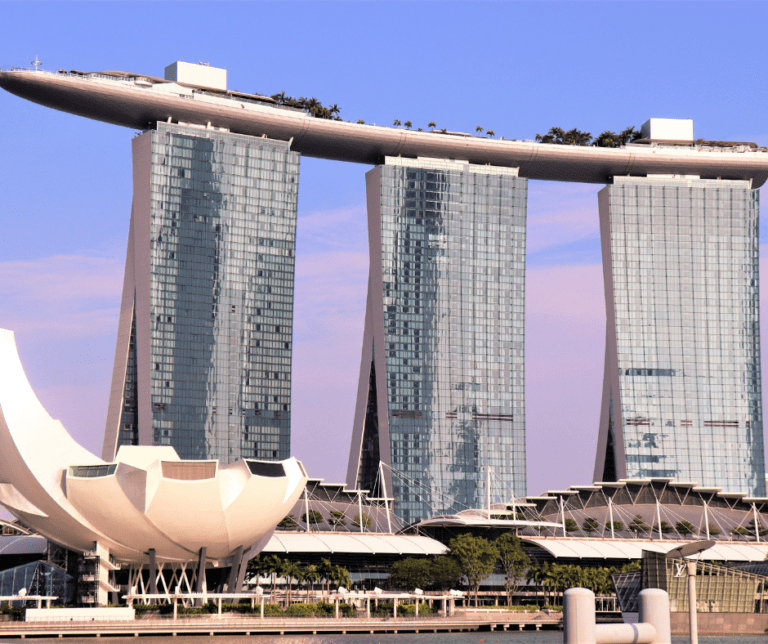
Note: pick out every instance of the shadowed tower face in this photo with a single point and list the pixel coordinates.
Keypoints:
(682, 387)
(203, 358)
(441, 393)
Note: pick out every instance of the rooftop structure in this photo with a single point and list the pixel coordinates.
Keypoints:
(137, 101)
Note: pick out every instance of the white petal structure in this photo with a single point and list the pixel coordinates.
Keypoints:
(147, 498)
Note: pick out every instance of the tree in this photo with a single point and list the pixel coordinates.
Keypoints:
(397, 122)
(366, 521)
(617, 526)
(666, 528)
(590, 525)
(340, 576)
(607, 139)
(259, 567)
(408, 124)
(490, 133)
(310, 575)
(314, 518)
(476, 558)
(432, 125)
(446, 573)
(325, 570)
(479, 130)
(571, 525)
(741, 531)
(274, 565)
(288, 523)
(337, 518)
(514, 562)
(638, 524)
(290, 570)
(408, 574)
(361, 121)
(685, 527)
(714, 529)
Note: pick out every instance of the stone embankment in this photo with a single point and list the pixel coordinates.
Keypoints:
(237, 625)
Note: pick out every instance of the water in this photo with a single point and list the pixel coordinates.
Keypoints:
(501, 637)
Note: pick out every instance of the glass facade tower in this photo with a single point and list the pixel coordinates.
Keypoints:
(203, 359)
(682, 387)
(442, 390)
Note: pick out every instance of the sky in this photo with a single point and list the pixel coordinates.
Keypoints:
(517, 68)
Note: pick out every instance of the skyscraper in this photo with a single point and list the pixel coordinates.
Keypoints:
(442, 391)
(203, 357)
(682, 386)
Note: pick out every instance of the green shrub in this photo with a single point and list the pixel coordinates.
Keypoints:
(272, 609)
(301, 610)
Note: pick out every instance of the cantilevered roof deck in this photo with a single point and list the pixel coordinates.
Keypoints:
(138, 101)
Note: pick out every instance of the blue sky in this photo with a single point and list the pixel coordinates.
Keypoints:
(517, 68)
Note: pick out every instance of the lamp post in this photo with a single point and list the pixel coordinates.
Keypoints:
(684, 552)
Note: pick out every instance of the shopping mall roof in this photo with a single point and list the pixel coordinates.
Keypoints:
(364, 543)
(23, 545)
(622, 549)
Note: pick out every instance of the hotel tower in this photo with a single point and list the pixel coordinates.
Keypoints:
(203, 358)
(441, 394)
(682, 389)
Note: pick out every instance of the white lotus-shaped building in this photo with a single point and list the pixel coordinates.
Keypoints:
(147, 499)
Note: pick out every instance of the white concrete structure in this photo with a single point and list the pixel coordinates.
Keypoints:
(668, 130)
(148, 504)
(202, 75)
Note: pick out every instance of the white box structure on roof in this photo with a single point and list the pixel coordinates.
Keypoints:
(668, 130)
(200, 74)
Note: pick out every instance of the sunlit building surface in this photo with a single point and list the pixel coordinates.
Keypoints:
(682, 388)
(441, 394)
(203, 359)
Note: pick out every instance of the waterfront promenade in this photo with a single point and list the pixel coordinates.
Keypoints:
(237, 625)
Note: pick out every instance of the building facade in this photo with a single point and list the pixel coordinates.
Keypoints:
(203, 357)
(441, 394)
(682, 387)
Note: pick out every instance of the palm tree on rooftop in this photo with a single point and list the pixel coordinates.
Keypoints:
(491, 133)
(479, 129)
(408, 124)
(432, 125)
(397, 122)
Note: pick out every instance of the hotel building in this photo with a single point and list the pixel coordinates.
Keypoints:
(442, 378)
(682, 390)
(203, 358)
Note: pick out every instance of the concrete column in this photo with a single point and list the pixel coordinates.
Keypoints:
(417, 607)
(237, 559)
(336, 607)
(152, 574)
(653, 608)
(368, 607)
(394, 608)
(261, 614)
(200, 583)
(579, 616)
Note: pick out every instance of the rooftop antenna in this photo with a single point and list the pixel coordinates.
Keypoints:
(36, 63)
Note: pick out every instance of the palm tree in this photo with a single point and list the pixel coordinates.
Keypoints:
(432, 125)
(361, 121)
(273, 565)
(336, 518)
(340, 576)
(290, 571)
(491, 133)
(479, 129)
(397, 122)
(310, 575)
(325, 570)
(408, 124)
